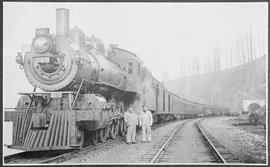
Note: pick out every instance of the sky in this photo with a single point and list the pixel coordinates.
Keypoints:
(164, 35)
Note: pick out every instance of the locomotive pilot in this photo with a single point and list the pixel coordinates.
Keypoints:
(131, 119)
(146, 121)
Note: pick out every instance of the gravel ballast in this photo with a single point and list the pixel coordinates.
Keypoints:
(242, 143)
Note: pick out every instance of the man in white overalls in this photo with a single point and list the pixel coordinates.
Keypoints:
(146, 121)
(131, 119)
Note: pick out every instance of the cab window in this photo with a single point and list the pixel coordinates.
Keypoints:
(130, 68)
(139, 68)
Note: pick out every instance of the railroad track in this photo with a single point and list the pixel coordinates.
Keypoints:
(46, 157)
(166, 150)
(31, 157)
(167, 142)
(211, 144)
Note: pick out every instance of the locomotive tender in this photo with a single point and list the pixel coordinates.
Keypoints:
(86, 88)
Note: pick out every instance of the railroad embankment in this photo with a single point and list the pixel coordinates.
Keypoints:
(225, 87)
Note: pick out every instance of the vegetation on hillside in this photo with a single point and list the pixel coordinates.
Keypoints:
(225, 87)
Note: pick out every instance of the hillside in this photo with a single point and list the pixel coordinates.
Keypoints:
(225, 87)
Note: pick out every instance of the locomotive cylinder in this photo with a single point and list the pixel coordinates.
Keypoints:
(62, 22)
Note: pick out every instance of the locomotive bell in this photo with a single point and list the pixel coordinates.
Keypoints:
(77, 37)
(62, 22)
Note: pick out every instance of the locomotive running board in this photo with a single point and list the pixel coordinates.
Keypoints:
(42, 93)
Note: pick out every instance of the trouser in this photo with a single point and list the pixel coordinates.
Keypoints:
(146, 132)
(131, 134)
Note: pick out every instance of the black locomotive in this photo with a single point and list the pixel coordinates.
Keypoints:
(86, 88)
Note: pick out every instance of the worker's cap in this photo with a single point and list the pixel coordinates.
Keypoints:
(144, 106)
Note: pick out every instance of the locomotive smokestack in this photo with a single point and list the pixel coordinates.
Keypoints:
(62, 22)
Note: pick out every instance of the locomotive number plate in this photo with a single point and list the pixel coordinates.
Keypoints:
(42, 59)
(56, 95)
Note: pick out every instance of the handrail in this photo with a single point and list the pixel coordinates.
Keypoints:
(77, 94)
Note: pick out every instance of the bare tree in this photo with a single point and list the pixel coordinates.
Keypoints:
(216, 59)
(226, 56)
(198, 70)
(231, 57)
(251, 46)
(248, 53)
(243, 51)
(208, 64)
(260, 47)
(263, 46)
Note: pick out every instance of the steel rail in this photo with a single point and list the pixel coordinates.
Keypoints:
(61, 157)
(69, 155)
(210, 143)
(12, 157)
(155, 158)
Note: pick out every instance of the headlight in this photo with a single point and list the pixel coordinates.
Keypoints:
(41, 44)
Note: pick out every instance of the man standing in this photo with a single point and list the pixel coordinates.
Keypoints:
(146, 121)
(131, 119)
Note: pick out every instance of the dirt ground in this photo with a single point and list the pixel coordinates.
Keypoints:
(242, 141)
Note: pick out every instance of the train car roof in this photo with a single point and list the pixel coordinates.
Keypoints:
(183, 99)
(196, 103)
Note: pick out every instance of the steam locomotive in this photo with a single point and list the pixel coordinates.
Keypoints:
(86, 89)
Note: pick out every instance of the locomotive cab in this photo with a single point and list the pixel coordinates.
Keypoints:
(131, 65)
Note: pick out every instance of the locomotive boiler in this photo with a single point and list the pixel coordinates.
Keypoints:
(85, 90)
